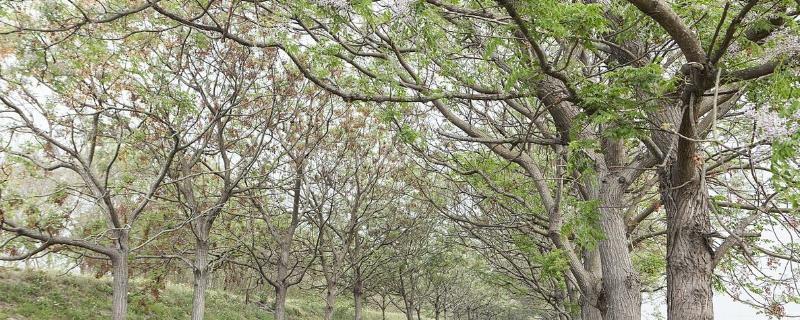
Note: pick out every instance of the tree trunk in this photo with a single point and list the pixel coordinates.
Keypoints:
(330, 300)
(418, 316)
(119, 304)
(119, 265)
(689, 255)
(280, 303)
(409, 309)
(621, 298)
(591, 261)
(437, 306)
(282, 271)
(200, 284)
(407, 301)
(685, 199)
(358, 288)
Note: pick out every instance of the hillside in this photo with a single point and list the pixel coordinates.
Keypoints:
(29, 295)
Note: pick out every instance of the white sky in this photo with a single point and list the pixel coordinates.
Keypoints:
(725, 308)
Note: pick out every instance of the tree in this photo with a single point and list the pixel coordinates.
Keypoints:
(274, 236)
(225, 82)
(116, 142)
(626, 120)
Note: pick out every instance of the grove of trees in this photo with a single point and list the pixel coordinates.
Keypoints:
(461, 159)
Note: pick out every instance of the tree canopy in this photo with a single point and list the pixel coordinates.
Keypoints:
(475, 159)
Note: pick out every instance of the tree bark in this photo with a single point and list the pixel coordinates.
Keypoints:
(589, 310)
(409, 307)
(621, 298)
(689, 255)
(201, 274)
(330, 300)
(280, 302)
(119, 265)
(685, 198)
(358, 291)
(409, 311)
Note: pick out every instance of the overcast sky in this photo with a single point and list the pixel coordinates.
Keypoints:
(725, 308)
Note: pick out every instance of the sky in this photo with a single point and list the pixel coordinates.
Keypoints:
(725, 308)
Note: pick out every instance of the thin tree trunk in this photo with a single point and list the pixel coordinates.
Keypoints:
(407, 301)
(418, 316)
(589, 310)
(330, 300)
(280, 303)
(201, 274)
(437, 306)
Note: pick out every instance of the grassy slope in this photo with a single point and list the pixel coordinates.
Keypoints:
(41, 295)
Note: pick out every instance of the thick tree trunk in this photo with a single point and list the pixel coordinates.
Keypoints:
(621, 298)
(201, 274)
(280, 303)
(685, 199)
(119, 302)
(689, 255)
(119, 265)
(358, 289)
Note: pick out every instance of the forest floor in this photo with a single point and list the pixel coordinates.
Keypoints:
(40, 295)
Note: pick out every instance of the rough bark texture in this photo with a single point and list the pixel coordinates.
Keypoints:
(689, 257)
(685, 198)
(119, 264)
(119, 303)
(621, 297)
(201, 274)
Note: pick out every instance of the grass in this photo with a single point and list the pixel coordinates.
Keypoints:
(32, 294)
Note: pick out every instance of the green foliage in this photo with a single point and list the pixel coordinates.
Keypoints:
(407, 134)
(554, 264)
(651, 265)
(585, 224)
(618, 100)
